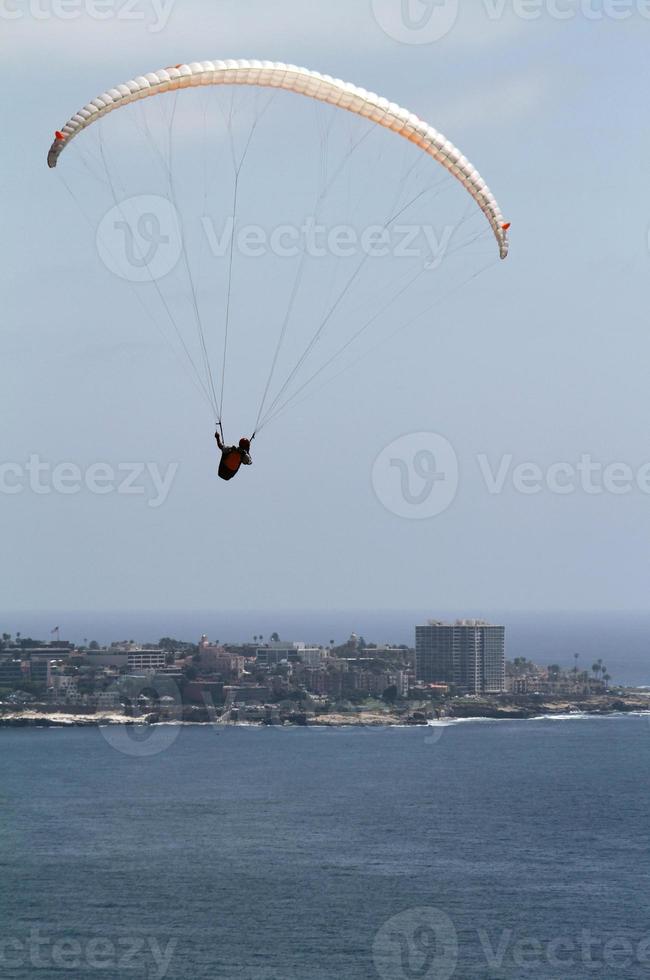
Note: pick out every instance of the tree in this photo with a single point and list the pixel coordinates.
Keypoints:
(32, 687)
(598, 669)
(576, 657)
(275, 637)
(94, 645)
(390, 694)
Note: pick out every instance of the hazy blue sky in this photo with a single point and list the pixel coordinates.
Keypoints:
(543, 359)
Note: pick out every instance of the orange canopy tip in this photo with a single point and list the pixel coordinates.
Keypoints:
(507, 225)
(58, 135)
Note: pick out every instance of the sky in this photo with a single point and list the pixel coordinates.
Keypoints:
(493, 456)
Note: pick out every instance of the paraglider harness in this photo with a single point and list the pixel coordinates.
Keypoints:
(232, 457)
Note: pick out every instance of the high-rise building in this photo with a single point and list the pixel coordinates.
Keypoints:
(469, 654)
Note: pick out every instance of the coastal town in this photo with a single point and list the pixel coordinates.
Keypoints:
(453, 670)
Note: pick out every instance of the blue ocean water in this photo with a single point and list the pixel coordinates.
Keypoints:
(621, 639)
(492, 850)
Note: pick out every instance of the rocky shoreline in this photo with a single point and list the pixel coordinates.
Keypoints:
(536, 706)
(519, 707)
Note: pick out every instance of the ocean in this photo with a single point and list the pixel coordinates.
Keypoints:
(480, 849)
(621, 640)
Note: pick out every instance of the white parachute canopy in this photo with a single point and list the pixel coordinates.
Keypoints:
(202, 172)
(310, 83)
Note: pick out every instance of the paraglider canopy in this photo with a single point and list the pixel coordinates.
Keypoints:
(111, 165)
(274, 74)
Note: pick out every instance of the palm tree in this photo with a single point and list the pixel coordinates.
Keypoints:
(597, 670)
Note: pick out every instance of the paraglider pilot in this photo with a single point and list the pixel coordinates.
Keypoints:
(232, 457)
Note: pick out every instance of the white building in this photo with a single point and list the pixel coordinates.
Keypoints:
(146, 661)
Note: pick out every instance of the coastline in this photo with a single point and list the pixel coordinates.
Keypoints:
(522, 708)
